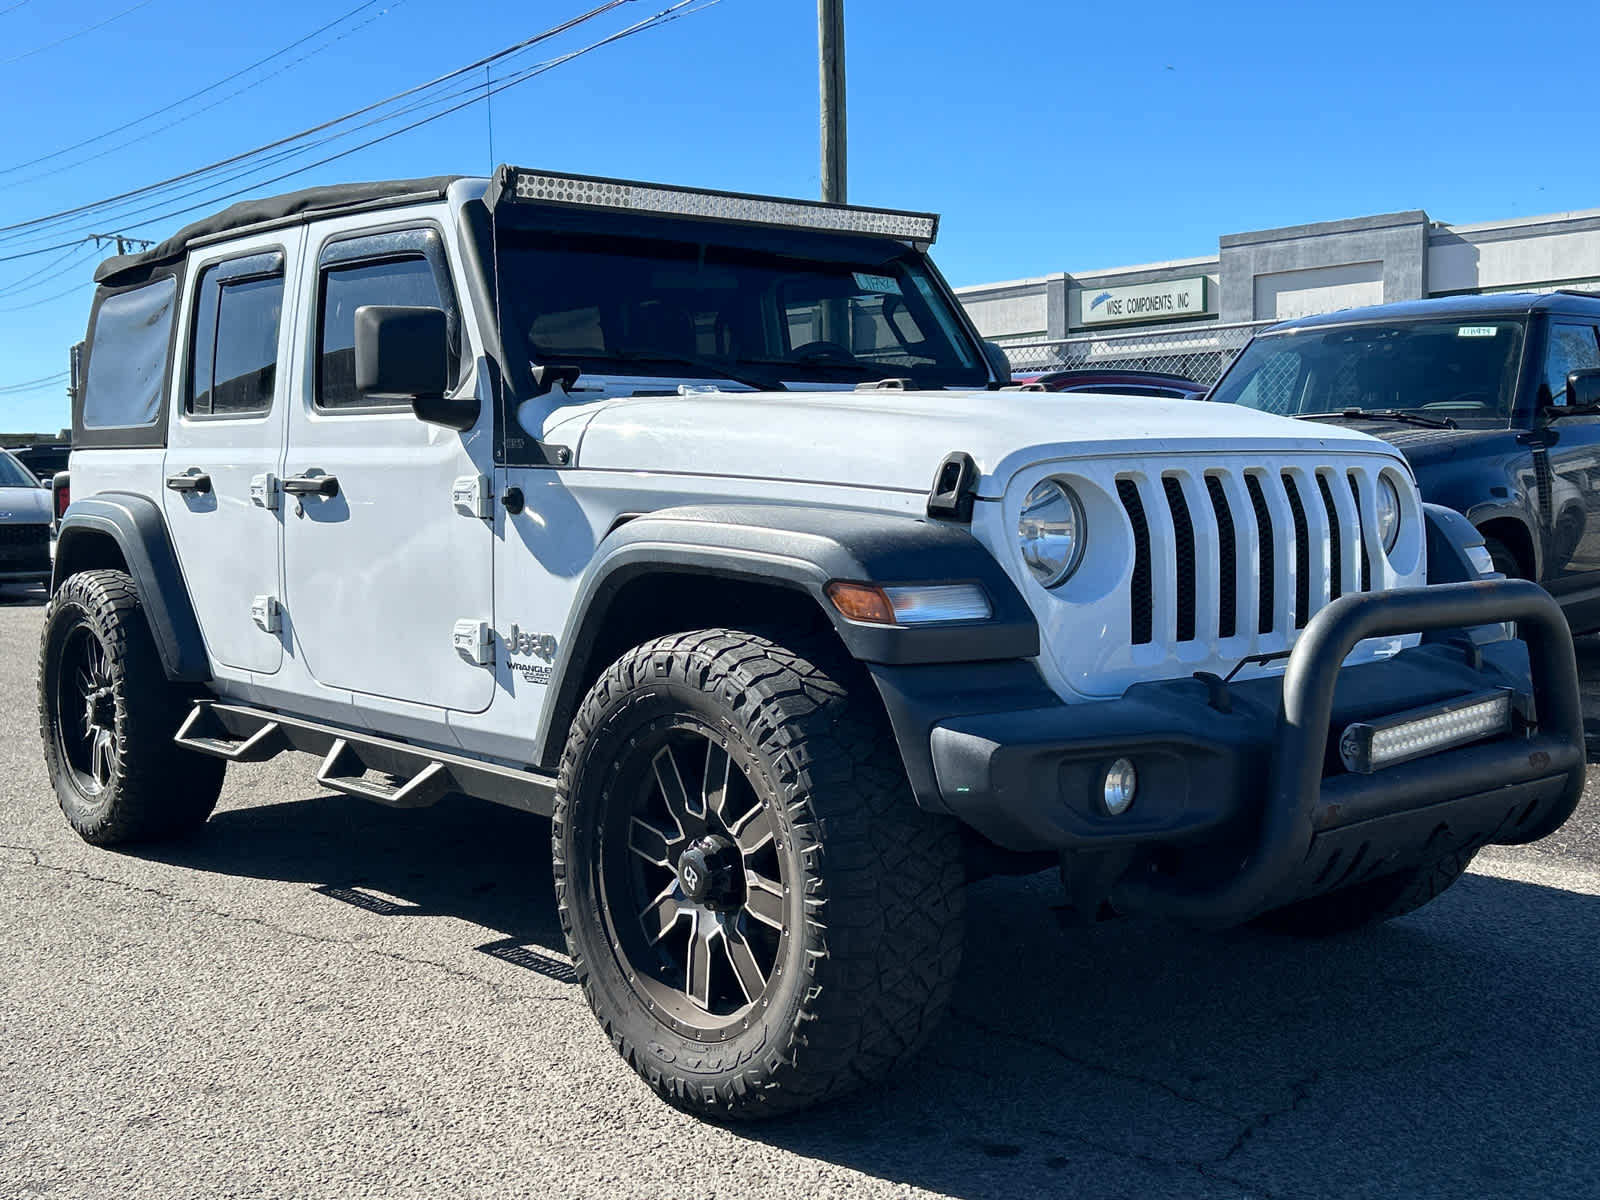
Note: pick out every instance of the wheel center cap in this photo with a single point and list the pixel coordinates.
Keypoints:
(99, 708)
(708, 872)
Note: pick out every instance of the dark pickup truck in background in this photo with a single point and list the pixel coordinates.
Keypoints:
(1494, 401)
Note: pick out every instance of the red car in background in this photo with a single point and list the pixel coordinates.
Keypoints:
(1118, 383)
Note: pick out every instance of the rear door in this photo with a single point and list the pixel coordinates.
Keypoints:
(381, 569)
(225, 445)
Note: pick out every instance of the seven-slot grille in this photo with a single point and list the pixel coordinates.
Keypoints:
(1251, 553)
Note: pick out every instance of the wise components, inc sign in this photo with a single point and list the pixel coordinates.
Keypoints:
(1172, 299)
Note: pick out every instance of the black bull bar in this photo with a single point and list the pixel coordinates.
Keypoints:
(1302, 806)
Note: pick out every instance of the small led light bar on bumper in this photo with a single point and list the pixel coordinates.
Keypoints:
(545, 187)
(1367, 746)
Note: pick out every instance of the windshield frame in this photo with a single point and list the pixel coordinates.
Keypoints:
(948, 319)
(1511, 394)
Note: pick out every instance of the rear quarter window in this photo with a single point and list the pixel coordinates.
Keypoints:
(128, 357)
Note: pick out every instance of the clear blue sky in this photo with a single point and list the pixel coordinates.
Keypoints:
(1052, 136)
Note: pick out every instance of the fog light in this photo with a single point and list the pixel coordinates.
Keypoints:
(1121, 782)
(1368, 745)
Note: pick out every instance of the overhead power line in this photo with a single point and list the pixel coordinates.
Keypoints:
(71, 260)
(475, 96)
(95, 205)
(210, 87)
(61, 41)
(34, 385)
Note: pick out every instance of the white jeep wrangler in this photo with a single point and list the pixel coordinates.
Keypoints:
(705, 524)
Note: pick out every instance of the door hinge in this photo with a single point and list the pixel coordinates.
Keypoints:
(472, 496)
(267, 613)
(474, 641)
(264, 490)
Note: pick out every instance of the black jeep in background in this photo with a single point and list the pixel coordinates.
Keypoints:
(1494, 400)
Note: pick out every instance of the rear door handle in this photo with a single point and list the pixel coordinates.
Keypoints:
(190, 483)
(312, 485)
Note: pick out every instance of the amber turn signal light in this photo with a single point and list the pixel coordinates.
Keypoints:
(861, 602)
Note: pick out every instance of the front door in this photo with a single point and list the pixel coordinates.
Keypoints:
(1572, 536)
(384, 569)
(225, 445)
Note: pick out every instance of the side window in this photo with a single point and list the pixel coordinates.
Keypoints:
(233, 369)
(128, 357)
(1572, 348)
(408, 280)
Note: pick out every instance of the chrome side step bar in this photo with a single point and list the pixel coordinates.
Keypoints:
(418, 775)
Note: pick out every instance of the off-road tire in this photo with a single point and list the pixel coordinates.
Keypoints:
(1367, 903)
(874, 899)
(142, 786)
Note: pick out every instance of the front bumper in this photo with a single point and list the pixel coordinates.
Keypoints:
(1241, 786)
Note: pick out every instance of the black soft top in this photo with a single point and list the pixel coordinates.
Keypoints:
(314, 201)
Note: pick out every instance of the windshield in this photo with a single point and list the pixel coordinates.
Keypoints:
(801, 309)
(1463, 371)
(13, 474)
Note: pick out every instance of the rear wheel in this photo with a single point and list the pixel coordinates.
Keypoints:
(107, 714)
(760, 915)
(1375, 900)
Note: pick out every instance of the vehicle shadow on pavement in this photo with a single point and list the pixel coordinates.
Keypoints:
(1453, 1053)
(462, 858)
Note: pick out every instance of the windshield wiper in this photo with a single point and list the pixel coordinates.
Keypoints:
(712, 369)
(1384, 414)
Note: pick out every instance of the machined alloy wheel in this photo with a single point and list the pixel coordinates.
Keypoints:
(693, 885)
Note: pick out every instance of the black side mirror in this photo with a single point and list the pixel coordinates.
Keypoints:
(999, 361)
(1583, 391)
(403, 356)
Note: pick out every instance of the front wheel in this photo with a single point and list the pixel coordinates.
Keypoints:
(107, 715)
(759, 913)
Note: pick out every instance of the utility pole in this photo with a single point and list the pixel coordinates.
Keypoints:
(830, 55)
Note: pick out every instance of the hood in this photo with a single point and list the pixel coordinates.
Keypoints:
(896, 440)
(24, 506)
(1425, 447)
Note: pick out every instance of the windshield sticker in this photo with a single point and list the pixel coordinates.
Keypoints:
(1477, 331)
(886, 285)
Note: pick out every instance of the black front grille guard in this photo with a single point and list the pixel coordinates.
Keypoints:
(1296, 807)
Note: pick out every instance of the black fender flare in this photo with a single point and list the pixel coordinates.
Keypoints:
(135, 524)
(803, 549)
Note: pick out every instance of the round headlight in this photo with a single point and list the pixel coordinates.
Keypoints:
(1051, 530)
(1388, 512)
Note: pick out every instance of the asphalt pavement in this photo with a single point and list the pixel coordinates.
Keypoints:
(317, 997)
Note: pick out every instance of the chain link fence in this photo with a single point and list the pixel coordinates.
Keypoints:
(1200, 354)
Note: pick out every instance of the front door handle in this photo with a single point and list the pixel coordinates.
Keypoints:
(312, 485)
(190, 483)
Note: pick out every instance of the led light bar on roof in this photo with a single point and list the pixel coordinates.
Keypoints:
(541, 187)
